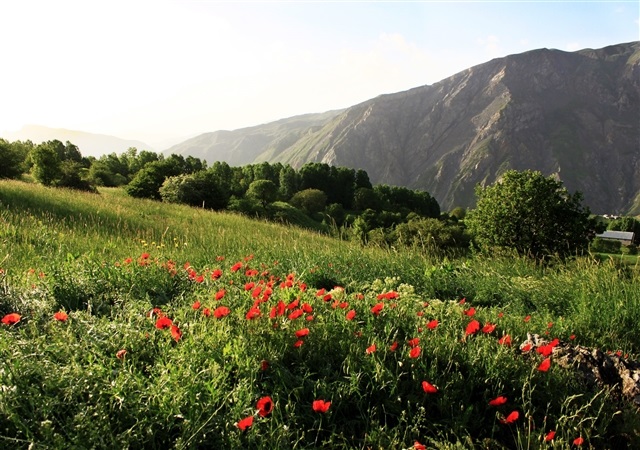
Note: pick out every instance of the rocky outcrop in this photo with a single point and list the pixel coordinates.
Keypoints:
(595, 367)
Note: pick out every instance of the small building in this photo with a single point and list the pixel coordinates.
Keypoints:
(624, 237)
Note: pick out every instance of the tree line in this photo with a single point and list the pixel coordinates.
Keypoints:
(523, 212)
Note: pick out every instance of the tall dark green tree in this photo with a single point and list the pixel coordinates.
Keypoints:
(13, 157)
(46, 160)
(532, 214)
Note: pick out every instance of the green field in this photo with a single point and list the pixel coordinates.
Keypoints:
(180, 320)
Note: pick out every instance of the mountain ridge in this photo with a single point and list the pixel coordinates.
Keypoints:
(572, 115)
(90, 144)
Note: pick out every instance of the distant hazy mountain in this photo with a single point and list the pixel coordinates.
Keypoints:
(90, 144)
(574, 115)
(253, 144)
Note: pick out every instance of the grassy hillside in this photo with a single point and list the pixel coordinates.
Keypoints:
(184, 328)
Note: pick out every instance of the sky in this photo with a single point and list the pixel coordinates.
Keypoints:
(167, 70)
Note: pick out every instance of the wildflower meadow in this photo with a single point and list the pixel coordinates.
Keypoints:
(135, 324)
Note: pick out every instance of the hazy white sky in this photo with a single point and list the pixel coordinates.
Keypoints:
(152, 70)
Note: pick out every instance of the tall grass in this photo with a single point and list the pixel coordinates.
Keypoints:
(108, 260)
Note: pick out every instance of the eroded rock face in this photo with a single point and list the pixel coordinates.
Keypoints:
(596, 367)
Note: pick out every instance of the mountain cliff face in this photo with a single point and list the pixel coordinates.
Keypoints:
(574, 115)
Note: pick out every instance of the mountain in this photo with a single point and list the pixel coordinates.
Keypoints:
(252, 144)
(573, 115)
(90, 144)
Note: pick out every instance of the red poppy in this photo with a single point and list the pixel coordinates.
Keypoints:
(418, 446)
(512, 417)
(544, 365)
(370, 349)
(307, 308)
(199, 279)
(375, 309)
(528, 318)
(144, 256)
(11, 319)
(264, 365)
(61, 316)
(253, 313)
(413, 342)
(432, 324)
(206, 312)
(298, 343)
(320, 406)
(264, 406)
(525, 348)
(393, 347)
(415, 352)
(196, 305)
(462, 301)
(237, 266)
(295, 314)
(176, 333)
(351, 314)
(550, 435)
(488, 328)
(220, 294)
(280, 308)
(301, 333)
(472, 327)
(500, 400)
(216, 274)
(505, 340)
(578, 441)
(163, 323)
(572, 337)
(550, 324)
(545, 350)
(121, 353)
(294, 304)
(221, 311)
(429, 388)
(245, 423)
(470, 312)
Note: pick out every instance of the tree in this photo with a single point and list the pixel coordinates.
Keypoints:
(532, 214)
(264, 191)
(46, 163)
(627, 224)
(309, 200)
(196, 189)
(12, 158)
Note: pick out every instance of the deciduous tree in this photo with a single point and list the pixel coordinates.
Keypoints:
(532, 214)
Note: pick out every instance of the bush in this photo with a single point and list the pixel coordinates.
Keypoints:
(605, 246)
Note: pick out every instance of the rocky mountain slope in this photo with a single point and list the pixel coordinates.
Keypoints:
(252, 144)
(574, 115)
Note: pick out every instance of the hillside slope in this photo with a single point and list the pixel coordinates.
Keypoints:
(574, 115)
(252, 144)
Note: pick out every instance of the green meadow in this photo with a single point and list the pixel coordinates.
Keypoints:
(187, 328)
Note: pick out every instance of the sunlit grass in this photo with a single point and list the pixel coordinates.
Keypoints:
(108, 260)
